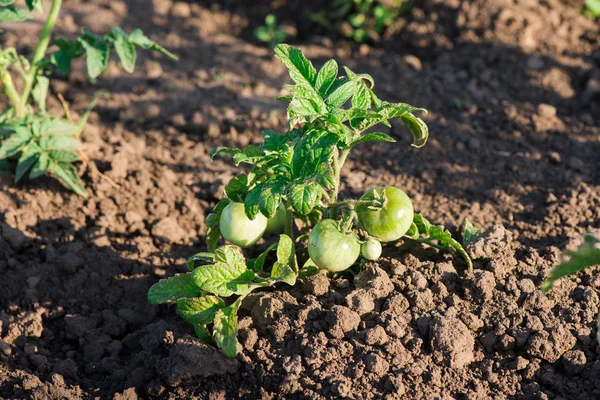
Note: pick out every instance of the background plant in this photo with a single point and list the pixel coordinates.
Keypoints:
(297, 172)
(271, 33)
(361, 20)
(41, 144)
(592, 7)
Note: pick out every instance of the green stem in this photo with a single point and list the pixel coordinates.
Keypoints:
(338, 164)
(39, 54)
(11, 91)
(288, 229)
(355, 203)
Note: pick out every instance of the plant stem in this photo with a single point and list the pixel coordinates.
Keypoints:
(11, 92)
(39, 54)
(354, 203)
(288, 229)
(338, 164)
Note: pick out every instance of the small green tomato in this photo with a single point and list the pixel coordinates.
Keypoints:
(237, 228)
(276, 223)
(371, 249)
(331, 249)
(390, 222)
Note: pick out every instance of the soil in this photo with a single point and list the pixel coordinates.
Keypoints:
(512, 87)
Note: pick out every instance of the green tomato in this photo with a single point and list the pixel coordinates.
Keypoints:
(331, 249)
(237, 228)
(371, 249)
(390, 222)
(276, 222)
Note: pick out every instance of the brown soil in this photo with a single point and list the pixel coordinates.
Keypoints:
(512, 91)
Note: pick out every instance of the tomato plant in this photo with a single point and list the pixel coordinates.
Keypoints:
(30, 138)
(293, 179)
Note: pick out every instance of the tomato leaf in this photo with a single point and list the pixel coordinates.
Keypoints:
(199, 310)
(470, 233)
(15, 142)
(373, 136)
(237, 188)
(97, 54)
(257, 264)
(138, 39)
(228, 275)
(40, 91)
(326, 76)
(174, 288)
(213, 231)
(305, 197)
(199, 257)
(203, 334)
(342, 94)
(417, 127)
(68, 175)
(225, 329)
(587, 255)
(13, 14)
(300, 68)
(125, 50)
(26, 161)
(313, 153)
(41, 166)
(285, 268)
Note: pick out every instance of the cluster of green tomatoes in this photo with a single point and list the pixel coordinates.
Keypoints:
(332, 245)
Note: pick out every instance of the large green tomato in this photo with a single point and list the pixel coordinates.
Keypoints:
(331, 249)
(237, 228)
(390, 222)
(371, 249)
(276, 223)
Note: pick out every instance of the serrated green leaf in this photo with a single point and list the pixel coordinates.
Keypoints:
(56, 142)
(342, 94)
(270, 197)
(326, 76)
(300, 68)
(285, 268)
(250, 155)
(203, 334)
(327, 178)
(171, 289)
(305, 196)
(274, 141)
(470, 233)
(138, 39)
(362, 98)
(213, 231)
(26, 161)
(15, 143)
(125, 50)
(313, 153)
(309, 269)
(225, 329)
(199, 310)
(97, 54)
(418, 128)
(587, 255)
(68, 50)
(40, 91)
(252, 202)
(41, 166)
(207, 258)
(64, 156)
(413, 232)
(373, 136)
(68, 175)
(13, 14)
(228, 275)
(237, 188)
(221, 149)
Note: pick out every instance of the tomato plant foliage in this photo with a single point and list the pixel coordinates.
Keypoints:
(35, 142)
(294, 176)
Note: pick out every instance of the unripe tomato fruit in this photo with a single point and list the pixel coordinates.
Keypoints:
(331, 249)
(237, 228)
(276, 223)
(390, 222)
(371, 249)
